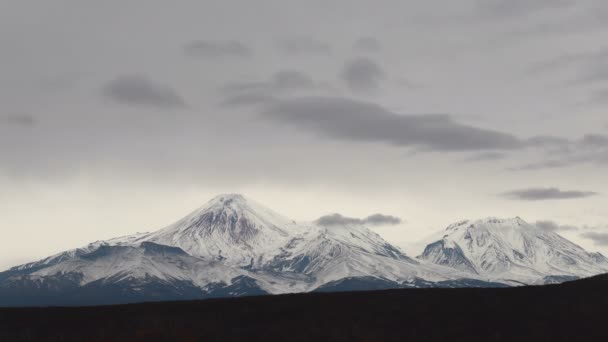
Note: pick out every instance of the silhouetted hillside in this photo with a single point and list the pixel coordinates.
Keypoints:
(573, 311)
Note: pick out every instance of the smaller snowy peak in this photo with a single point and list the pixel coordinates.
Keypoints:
(511, 249)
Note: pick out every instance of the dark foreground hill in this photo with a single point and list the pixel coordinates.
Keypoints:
(575, 311)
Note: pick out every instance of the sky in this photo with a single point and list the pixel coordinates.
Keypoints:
(123, 116)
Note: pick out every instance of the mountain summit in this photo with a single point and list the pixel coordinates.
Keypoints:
(230, 228)
(512, 250)
(233, 246)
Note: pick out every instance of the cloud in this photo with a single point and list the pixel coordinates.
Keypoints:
(362, 75)
(138, 90)
(23, 120)
(487, 156)
(247, 99)
(290, 79)
(346, 119)
(540, 194)
(590, 67)
(513, 8)
(253, 93)
(552, 226)
(303, 46)
(372, 220)
(599, 97)
(381, 220)
(590, 149)
(598, 238)
(217, 49)
(367, 44)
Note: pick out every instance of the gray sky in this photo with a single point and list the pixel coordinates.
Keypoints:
(122, 116)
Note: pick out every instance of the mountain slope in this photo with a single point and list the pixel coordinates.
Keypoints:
(512, 250)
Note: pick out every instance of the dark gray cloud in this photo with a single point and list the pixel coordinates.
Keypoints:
(24, 120)
(303, 46)
(540, 194)
(347, 119)
(372, 220)
(138, 90)
(552, 226)
(382, 220)
(217, 49)
(598, 238)
(367, 44)
(337, 219)
(362, 75)
(511, 8)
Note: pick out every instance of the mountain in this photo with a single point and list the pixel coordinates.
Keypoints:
(233, 246)
(512, 251)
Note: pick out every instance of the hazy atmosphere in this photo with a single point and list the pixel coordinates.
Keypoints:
(119, 117)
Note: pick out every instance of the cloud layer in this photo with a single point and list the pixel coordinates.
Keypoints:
(541, 194)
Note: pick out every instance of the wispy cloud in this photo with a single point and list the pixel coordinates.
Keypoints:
(24, 120)
(217, 49)
(252, 93)
(541, 194)
(367, 44)
(303, 46)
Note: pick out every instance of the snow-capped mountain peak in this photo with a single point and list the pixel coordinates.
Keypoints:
(511, 249)
(229, 227)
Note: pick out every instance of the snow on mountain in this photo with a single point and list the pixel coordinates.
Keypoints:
(511, 250)
(230, 228)
(148, 260)
(234, 246)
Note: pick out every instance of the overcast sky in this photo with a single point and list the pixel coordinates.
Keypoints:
(122, 116)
